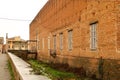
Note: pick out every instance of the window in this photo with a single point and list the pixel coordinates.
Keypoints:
(48, 42)
(9, 46)
(93, 37)
(37, 39)
(54, 42)
(38, 44)
(70, 39)
(12, 46)
(42, 43)
(22, 46)
(61, 41)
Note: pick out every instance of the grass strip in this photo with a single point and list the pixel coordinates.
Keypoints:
(10, 70)
(45, 69)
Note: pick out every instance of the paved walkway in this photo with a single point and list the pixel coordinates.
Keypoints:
(24, 69)
(4, 72)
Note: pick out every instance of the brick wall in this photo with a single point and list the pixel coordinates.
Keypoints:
(63, 15)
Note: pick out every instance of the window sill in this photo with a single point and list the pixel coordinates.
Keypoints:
(93, 50)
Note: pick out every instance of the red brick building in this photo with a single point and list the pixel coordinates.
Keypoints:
(79, 32)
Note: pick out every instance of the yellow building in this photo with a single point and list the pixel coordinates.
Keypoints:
(16, 43)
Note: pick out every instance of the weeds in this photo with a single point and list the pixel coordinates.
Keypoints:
(10, 70)
(45, 69)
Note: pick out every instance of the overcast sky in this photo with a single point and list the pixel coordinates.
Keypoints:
(16, 15)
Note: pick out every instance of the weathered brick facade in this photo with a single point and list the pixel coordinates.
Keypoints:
(60, 16)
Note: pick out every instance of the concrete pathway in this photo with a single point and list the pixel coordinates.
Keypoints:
(23, 69)
(4, 72)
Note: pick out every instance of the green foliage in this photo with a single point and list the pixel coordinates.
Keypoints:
(11, 71)
(45, 69)
(100, 68)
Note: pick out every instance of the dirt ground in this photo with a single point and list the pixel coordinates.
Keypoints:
(4, 72)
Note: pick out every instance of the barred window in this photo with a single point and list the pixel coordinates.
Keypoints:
(42, 43)
(54, 42)
(70, 39)
(48, 42)
(38, 44)
(61, 41)
(93, 37)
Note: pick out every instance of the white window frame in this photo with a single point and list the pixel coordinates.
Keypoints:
(49, 43)
(43, 43)
(38, 44)
(37, 39)
(93, 36)
(61, 41)
(54, 42)
(70, 33)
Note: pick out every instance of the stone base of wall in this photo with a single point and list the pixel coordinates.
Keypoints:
(108, 69)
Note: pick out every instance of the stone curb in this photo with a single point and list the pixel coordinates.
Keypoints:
(22, 70)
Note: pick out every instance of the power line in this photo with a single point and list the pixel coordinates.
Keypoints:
(14, 19)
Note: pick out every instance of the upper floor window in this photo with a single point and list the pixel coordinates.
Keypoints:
(93, 36)
(70, 39)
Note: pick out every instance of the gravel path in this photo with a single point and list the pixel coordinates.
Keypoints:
(4, 72)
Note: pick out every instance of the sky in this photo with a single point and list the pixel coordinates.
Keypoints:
(16, 15)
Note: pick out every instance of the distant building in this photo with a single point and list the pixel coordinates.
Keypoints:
(16, 43)
(4, 49)
(32, 45)
(1, 44)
